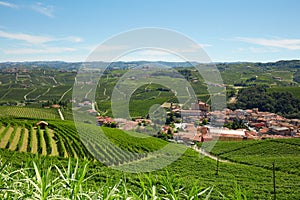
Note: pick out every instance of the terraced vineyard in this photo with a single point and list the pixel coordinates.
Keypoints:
(54, 140)
(112, 147)
(60, 138)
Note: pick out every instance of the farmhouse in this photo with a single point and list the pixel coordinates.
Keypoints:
(280, 130)
(104, 121)
(42, 124)
(55, 106)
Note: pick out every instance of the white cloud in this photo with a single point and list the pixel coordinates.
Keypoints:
(290, 44)
(7, 4)
(73, 39)
(25, 37)
(39, 50)
(46, 10)
(34, 39)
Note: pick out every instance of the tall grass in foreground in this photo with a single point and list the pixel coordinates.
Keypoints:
(35, 181)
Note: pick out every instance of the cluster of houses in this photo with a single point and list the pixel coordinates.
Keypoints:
(256, 124)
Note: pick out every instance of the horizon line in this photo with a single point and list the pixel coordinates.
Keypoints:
(126, 61)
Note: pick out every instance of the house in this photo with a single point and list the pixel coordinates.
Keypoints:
(263, 131)
(200, 106)
(107, 121)
(279, 130)
(56, 106)
(42, 124)
(227, 135)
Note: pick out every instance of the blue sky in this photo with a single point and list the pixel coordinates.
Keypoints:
(229, 30)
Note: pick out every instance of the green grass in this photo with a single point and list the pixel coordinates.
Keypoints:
(283, 152)
(249, 174)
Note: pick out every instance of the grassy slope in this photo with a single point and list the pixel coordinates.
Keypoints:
(191, 169)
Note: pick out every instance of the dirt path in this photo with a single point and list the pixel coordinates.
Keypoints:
(25, 141)
(46, 92)
(104, 93)
(60, 114)
(63, 95)
(232, 100)
(6, 137)
(54, 80)
(87, 94)
(25, 96)
(15, 141)
(205, 153)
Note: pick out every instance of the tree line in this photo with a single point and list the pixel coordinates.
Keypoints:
(282, 103)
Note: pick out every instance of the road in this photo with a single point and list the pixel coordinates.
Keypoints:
(25, 96)
(205, 153)
(62, 96)
(60, 114)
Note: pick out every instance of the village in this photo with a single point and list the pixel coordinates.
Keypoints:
(199, 124)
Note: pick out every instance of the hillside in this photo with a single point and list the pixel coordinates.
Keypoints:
(250, 166)
(238, 169)
(41, 84)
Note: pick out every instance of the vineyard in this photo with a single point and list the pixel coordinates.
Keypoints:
(55, 140)
(26, 112)
(20, 139)
(283, 152)
(60, 138)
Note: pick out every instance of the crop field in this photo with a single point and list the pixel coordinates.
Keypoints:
(26, 112)
(24, 136)
(283, 152)
(231, 180)
(40, 85)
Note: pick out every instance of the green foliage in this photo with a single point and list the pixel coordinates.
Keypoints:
(4, 131)
(189, 177)
(20, 142)
(283, 103)
(39, 136)
(11, 138)
(47, 139)
(297, 76)
(284, 152)
(30, 139)
(236, 124)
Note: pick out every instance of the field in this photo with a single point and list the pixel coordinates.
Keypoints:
(25, 136)
(26, 112)
(37, 86)
(56, 162)
(250, 169)
(283, 152)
